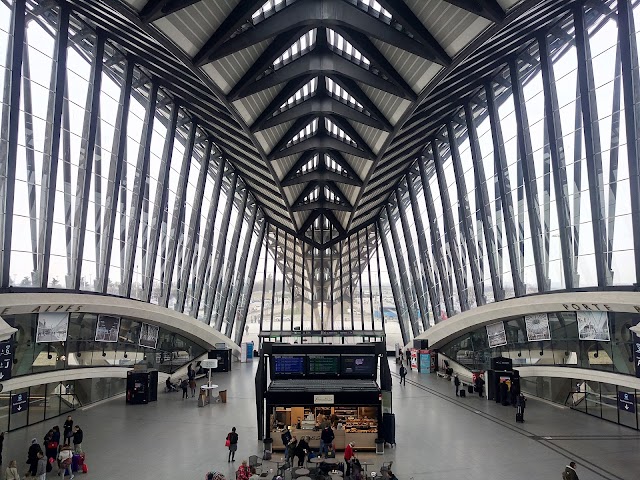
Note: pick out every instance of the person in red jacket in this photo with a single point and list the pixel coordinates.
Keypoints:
(348, 455)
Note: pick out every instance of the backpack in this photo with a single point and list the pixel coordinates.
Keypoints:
(565, 474)
(403, 371)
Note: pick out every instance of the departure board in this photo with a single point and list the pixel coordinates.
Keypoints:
(288, 365)
(324, 365)
(360, 366)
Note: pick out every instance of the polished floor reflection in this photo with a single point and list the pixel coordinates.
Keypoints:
(438, 436)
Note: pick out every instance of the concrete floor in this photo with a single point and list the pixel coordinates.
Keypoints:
(438, 436)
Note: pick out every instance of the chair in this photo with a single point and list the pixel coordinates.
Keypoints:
(254, 461)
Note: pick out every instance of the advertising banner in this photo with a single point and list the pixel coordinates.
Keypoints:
(52, 327)
(537, 326)
(107, 329)
(148, 335)
(496, 335)
(425, 361)
(593, 326)
(414, 358)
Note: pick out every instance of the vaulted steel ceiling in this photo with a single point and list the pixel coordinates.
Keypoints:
(323, 104)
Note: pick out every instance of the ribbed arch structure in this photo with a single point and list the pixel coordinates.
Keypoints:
(290, 172)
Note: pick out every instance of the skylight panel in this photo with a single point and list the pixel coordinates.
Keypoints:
(340, 93)
(301, 46)
(302, 94)
(336, 131)
(306, 132)
(376, 7)
(268, 8)
(311, 164)
(346, 49)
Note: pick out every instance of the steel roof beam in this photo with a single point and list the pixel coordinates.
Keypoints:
(317, 105)
(318, 141)
(156, 9)
(320, 174)
(489, 9)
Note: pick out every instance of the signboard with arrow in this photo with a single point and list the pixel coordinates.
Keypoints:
(19, 402)
(6, 360)
(636, 353)
(627, 402)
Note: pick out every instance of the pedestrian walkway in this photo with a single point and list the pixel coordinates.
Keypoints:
(438, 437)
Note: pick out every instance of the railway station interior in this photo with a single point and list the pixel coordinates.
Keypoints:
(300, 199)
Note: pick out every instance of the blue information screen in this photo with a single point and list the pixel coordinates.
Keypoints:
(288, 365)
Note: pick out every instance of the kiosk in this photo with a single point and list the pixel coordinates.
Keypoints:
(142, 386)
(316, 385)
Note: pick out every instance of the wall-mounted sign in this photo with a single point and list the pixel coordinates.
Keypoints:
(107, 329)
(537, 326)
(148, 335)
(20, 402)
(52, 327)
(496, 335)
(593, 326)
(323, 399)
(627, 402)
(6, 360)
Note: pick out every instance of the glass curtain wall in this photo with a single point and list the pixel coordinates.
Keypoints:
(532, 185)
(109, 183)
(338, 291)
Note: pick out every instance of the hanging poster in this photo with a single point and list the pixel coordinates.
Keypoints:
(148, 335)
(496, 334)
(52, 327)
(636, 353)
(537, 327)
(593, 326)
(107, 329)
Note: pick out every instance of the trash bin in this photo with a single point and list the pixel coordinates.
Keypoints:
(223, 396)
(379, 446)
(268, 443)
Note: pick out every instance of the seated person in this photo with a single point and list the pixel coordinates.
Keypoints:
(243, 472)
(254, 475)
(171, 387)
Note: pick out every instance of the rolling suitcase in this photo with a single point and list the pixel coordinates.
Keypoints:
(462, 393)
(470, 388)
(75, 463)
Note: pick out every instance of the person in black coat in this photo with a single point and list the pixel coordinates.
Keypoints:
(301, 450)
(32, 456)
(480, 385)
(456, 382)
(326, 439)
(504, 393)
(403, 375)
(521, 404)
(68, 430)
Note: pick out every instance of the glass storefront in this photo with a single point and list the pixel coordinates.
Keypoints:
(81, 350)
(472, 349)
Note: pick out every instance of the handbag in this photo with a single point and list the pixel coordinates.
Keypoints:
(227, 443)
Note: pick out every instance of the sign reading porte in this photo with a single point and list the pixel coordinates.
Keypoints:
(20, 402)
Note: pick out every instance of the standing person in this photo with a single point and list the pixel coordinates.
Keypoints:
(570, 472)
(408, 358)
(12, 471)
(41, 471)
(65, 458)
(185, 386)
(348, 454)
(403, 374)
(56, 436)
(326, 438)
(232, 440)
(286, 438)
(191, 373)
(480, 385)
(78, 436)
(456, 382)
(301, 450)
(68, 430)
(521, 403)
(50, 445)
(32, 456)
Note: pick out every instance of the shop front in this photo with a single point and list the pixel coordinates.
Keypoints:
(313, 386)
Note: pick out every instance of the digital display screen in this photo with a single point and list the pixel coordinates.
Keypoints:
(324, 365)
(359, 366)
(288, 365)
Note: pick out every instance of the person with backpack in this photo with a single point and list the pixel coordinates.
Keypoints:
(65, 458)
(403, 375)
(326, 438)
(32, 456)
(232, 443)
(456, 382)
(286, 438)
(569, 472)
